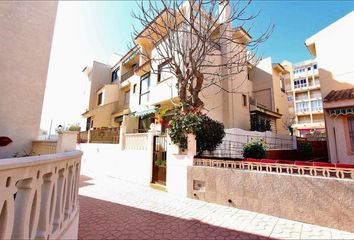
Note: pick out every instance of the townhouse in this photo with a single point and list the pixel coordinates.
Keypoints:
(333, 48)
(130, 90)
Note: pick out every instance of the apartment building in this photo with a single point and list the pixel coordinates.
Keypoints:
(333, 49)
(130, 91)
(25, 43)
(304, 97)
(267, 94)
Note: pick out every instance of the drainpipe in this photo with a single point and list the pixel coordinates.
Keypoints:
(335, 138)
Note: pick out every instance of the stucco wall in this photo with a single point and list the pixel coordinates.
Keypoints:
(99, 76)
(333, 47)
(315, 200)
(25, 43)
(108, 159)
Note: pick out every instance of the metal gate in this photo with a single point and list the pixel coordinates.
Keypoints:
(159, 159)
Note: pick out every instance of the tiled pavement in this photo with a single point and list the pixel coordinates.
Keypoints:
(114, 209)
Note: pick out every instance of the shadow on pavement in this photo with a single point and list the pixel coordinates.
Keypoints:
(101, 219)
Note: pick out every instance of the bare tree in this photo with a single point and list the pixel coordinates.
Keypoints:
(195, 40)
(288, 123)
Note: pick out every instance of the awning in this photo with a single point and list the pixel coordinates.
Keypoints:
(146, 112)
(340, 111)
(118, 119)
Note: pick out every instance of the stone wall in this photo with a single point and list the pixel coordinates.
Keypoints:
(315, 200)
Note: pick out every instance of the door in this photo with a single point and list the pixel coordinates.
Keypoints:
(159, 159)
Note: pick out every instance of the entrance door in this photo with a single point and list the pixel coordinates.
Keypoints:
(159, 159)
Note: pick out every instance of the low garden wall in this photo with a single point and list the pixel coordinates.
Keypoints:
(108, 159)
(326, 201)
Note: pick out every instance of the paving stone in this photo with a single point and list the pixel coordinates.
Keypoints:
(115, 209)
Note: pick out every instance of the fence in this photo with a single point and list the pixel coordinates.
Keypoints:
(317, 169)
(104, 135)
(136, 141)
(41, 147)
(232, 144)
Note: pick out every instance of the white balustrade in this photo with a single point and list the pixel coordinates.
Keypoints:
(136, 141)
(39, 195)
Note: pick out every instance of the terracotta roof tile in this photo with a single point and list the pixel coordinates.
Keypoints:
(336, 95)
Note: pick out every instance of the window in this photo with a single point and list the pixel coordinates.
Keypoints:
(302, 107)
(282, 84)
(300, 83)
(244, 100)
(290, 98)
(315, 66)
(126, 97)
(309, 69)
(351, 132)
(134, 88)
(144, 89)
(163, 71)
(316, 105)
(115, 74)
(99, 102)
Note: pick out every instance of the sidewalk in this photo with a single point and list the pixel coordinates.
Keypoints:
(114, 209)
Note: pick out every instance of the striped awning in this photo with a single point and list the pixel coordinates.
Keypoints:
(340, 111)
(146, 112)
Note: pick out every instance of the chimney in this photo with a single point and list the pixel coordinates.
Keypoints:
(224, 10)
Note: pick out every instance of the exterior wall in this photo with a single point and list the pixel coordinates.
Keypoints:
(262, 78)
(25, 43)
(315, 200)
(267, 91)
(336, 72)
(99, 76)
(338, 140)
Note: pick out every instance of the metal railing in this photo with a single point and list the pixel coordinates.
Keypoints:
(232, 145)
(136, 141)
(104, 135)
(128, 74)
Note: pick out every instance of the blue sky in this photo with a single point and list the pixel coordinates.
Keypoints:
(294, 22)
(87, 31)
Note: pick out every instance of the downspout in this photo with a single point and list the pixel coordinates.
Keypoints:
(335, 138)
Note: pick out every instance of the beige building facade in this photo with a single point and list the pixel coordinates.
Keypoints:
(304, 96)
(333, 48)
(130, 89)
(25, 44)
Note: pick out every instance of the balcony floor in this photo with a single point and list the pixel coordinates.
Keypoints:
(115, 209)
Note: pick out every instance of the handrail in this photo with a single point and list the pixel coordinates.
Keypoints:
(128, 74)
(39, 196)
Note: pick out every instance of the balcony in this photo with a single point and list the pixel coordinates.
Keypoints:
(39, 197)
(128, 74)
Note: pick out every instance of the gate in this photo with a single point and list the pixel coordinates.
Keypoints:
(159, 159)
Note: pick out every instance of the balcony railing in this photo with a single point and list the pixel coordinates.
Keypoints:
(128, 74)
(39, 196)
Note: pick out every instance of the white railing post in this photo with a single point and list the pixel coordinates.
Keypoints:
(122, 138)
(177, 164)
(150, 146)
(294, 142)
(66, 141)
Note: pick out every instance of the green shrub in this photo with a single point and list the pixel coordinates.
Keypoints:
(187, 120)
(305, 150)
(255, 148)
(75, 127)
